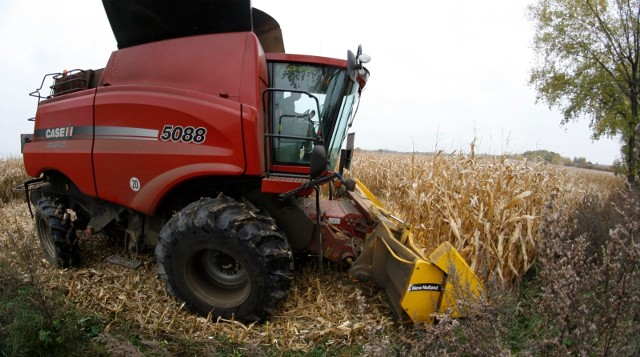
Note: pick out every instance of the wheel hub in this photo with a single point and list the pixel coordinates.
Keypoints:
(217, 278)
(223, 268)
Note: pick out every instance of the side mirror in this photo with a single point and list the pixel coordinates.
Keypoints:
(319, 161)
(352, 65)
(355, 68)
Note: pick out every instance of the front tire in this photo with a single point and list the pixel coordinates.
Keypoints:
(224, 259)
(57, 233)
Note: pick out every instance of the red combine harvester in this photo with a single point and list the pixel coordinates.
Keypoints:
(203, 139)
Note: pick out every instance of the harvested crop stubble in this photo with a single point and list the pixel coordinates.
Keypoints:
(320, 311)
(488, 208)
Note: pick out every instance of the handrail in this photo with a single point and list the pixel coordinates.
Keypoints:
(75, 80)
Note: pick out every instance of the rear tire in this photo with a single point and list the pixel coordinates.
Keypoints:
(224, 259)
(57, 234)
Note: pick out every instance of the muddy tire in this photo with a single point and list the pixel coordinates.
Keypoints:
(224, 259)
(57, 234)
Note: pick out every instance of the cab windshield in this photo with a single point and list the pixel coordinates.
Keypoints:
(310, 104)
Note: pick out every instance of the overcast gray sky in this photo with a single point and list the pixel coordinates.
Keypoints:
(441, 72)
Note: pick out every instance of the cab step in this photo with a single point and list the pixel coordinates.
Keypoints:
(124, 262)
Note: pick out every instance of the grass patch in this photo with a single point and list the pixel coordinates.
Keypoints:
(35, 324)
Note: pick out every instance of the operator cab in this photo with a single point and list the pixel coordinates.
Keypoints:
(311, 101)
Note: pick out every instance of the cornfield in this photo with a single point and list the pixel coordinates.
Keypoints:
(488, 208)
(11, 175)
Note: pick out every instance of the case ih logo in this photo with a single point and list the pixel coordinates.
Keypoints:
(55, 133)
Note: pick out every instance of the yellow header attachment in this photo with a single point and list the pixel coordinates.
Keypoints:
(416, 286)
